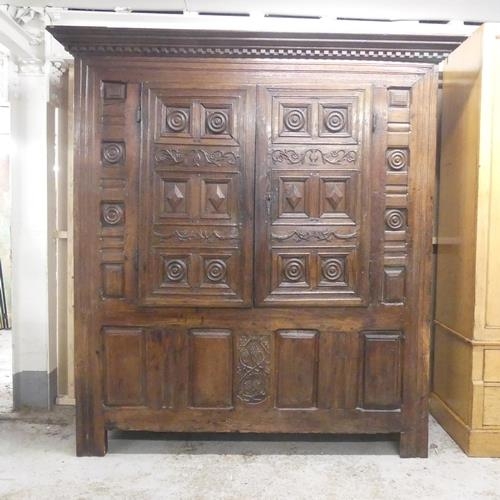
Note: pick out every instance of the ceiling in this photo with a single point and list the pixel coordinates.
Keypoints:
(476, 11)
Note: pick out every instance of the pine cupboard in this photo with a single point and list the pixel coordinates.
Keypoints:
(253, 234)
(466, 376)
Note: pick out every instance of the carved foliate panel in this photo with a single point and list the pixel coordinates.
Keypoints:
(253, 368)
(313, 196)
(198, 245)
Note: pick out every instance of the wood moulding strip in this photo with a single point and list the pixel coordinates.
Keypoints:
(233, 44)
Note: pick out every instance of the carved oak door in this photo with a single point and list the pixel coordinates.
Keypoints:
(313, 192)
(197, 197)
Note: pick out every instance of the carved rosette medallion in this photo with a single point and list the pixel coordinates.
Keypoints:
(216, 122)
(397, 159)
(253, 368)
(332, 269)
(113, 153)
(175, 270)
(294, 270)
(335, 121)
(395, 219)
(112, 214)
(177, 120)
(215, 270)
(294, 120)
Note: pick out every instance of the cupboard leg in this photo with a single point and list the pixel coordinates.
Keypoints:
(414, 443)
(91, 441)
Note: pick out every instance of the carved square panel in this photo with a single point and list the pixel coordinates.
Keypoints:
(217, 121)
(113, 153)
(114, 90)
(112, 214)
(294, 196)
(295, 120)
(177, 120)
(291, 270)
(216, 271)
(175, 271)
(335, 120)
(332, 270)
(216, 198)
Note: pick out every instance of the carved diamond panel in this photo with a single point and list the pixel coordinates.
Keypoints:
(253, 368)
(294, 196)
(215, 200)
(174, 196)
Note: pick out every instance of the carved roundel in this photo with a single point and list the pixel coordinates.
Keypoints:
(175, 270)
(335, 121)
(294, 270)
(215, 270)
(177, 120)
(332, 269)
(216, 122)
(395, 219)
(112, 214)
(397, 159)
(294, 120)
(113, 153)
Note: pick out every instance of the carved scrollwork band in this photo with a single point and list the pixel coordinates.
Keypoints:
(216, 122)
(197, 157)
(314, 236)
(198, 235)
(395, 219)
(177, 120)
(314, 157)
(112, 214)
(335, 121)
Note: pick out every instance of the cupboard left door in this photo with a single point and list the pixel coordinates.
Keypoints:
(196, 196)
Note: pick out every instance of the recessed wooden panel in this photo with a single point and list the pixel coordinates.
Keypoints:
(394, 285)
(210, 369)
(382, 364)
(491, 365)
(491, 415)
(113, 280)
(124, 362)
(297, 368)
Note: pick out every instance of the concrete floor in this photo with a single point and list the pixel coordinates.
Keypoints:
(37, 461)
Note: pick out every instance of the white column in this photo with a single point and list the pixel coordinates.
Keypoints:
(34, 377)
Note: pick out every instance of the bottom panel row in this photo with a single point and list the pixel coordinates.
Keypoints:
(220, 369)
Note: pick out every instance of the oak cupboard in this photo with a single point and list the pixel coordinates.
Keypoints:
(466, 381)
(253, 234)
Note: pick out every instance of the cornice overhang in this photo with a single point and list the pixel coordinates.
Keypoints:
(98, 41)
